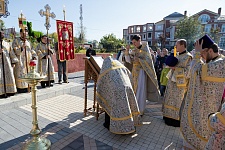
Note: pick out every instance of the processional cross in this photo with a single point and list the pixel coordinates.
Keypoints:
(47, 14)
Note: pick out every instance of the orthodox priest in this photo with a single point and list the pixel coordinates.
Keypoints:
(145, 84)
(24, 53)
(217, 125)
(9, 59)
(43, 56)
(117, 98)
(204, 93)
(177, 85)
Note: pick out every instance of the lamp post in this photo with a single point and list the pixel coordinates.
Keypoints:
(64, 12)
(4, 8)
(37, 142)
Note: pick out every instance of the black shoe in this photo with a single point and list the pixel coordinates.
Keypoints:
(43, 84)
(60, 82)
(65, 82)
(22, 90)
(47, 84)
(3, 96)
(10, 94)
(106, 126)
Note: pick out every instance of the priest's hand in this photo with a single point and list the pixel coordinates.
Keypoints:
(198, 46)
(127, 50)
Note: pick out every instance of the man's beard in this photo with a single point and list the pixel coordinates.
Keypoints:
(208, 58)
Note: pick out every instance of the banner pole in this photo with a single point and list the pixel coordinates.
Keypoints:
(64, 16)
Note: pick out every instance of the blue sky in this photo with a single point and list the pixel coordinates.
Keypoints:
(102, 17)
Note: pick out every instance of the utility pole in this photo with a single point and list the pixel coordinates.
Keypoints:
(81, 25)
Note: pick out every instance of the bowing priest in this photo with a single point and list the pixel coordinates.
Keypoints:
(116, 96)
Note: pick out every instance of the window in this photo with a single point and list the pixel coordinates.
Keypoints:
(125, 32)
(138, 29)
(144, 28)
(149, 35)
(159, 27)
(150, 27)
(222, 42)
(149, 43)
(215, 26)
(223, 28)
(207, 28)
(204, 18)
(157, 34)
(144, 36)
(131, 30)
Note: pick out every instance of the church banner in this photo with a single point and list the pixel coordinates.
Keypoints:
(65, 40)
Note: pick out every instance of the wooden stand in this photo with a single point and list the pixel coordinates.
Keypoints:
(91, 73)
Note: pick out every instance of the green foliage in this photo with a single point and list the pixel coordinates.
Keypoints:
(215, 34)
(34, 36)
(190, 29)
(2, 24)
(77, 50)
(102, 50)
(111, 43)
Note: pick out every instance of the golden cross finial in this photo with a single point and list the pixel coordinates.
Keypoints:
(47, 14)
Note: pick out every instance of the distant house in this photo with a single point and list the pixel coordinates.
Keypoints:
(163, 31)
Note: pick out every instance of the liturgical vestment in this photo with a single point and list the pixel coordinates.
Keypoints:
(176, 87)
(9, 58)
(203, 97)
(22, 67)
(116, 96)
(145, 82)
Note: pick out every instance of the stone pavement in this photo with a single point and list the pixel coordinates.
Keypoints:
(62, 122)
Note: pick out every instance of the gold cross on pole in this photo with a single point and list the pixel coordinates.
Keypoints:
(48, 15)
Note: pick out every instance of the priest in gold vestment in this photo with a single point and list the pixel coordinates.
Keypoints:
(204, 93)
(9, 59)
(145, 84)
(24, 57)
(43, 56)
(177, 85)
(116, 96)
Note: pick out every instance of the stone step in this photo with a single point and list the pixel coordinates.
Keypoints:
(42, 94)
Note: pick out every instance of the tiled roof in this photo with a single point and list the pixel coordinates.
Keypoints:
(175, 14)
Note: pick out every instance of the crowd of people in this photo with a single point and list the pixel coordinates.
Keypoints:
(191, 85)
(16, 58)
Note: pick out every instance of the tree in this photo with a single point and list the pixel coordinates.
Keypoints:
(54, 36)
(2, 24)
(214, 34)
(190, 29)
(111, 43)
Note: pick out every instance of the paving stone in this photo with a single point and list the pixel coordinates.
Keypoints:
(61, 119)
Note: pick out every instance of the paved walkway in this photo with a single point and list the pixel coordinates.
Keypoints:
(62, 122)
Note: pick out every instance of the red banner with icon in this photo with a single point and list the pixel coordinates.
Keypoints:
(65, 40)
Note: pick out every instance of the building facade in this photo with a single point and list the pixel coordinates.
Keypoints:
(162, 33)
